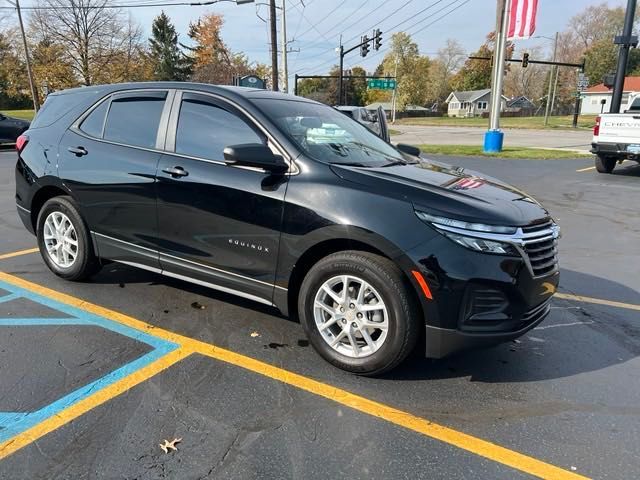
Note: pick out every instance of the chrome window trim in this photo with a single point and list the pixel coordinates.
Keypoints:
(293, 168)
(161, 254)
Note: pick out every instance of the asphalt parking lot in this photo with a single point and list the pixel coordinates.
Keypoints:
(94, 376)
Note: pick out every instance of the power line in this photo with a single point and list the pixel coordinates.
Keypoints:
(111, 6)
(318, 22)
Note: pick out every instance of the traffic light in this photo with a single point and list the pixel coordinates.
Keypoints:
(364, 46)
(377, 35)
(525, 60)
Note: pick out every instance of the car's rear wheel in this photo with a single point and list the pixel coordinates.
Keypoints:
(358, 312)
(605, 164)
(63, 240)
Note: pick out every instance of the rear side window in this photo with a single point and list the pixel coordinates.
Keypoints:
(134, 118)
(56, 106)
(94, 123)
(204, 129)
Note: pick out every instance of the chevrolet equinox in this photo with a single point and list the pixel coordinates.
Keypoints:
(289, 203)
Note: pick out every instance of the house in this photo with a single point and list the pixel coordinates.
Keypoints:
(597, 99)
(521, 105)
(474, 103)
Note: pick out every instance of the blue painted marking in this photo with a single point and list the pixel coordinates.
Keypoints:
(7, 418)
(7, 298)
(15, 423)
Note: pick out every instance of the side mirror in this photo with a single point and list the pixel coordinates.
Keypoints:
(408, 149)
(254, 155)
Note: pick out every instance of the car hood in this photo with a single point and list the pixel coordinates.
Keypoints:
(449, 191)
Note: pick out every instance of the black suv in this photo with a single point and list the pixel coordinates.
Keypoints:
(290, 203)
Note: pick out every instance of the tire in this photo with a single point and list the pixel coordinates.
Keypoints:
(605, 164)
(85, 263)
(383, 284)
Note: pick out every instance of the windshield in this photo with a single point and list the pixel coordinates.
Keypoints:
(327, 134)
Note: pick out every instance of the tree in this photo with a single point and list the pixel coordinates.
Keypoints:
(411, 70)
(13, 74)
(213, 61)
(448, 61)
(476, 74)
(167, 59)
(595, 23)
(92, 35)
(527, 81)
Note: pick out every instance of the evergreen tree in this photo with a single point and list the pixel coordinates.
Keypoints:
(168, 60)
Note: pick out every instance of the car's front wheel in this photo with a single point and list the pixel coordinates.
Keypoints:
(358, 312)
(63, 240)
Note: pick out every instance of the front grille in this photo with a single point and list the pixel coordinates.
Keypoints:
(541, 246)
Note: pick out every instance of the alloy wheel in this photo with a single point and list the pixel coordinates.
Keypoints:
(60, 239)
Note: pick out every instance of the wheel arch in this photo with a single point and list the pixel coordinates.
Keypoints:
(319, 250)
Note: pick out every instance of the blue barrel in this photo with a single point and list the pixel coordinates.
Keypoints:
(493, 141)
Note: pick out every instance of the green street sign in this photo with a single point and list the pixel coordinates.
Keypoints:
(381, 84)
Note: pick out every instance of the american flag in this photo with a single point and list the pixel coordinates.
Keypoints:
(467, 183)
(522, 19)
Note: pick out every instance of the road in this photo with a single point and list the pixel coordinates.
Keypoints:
(95, 375)
(578, 140)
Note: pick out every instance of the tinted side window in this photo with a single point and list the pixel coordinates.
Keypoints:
(133, 119)
(204, 129)
(94, 123)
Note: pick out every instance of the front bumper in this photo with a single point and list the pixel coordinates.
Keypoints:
(478, 299)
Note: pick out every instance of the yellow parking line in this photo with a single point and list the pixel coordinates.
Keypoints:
(101, 396)
(598, 301)
(586, 169)
(18, 253)
(392, 415)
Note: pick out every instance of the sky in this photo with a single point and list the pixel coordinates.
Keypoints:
(314, 26)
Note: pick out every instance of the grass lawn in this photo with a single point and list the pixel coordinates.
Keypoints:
(25, 114)
(514, 152)
(562, 122)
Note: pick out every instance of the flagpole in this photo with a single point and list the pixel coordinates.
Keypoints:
(494, 138)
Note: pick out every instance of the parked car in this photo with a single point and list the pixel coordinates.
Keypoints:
(616, 137)
(289, 203)
(11, 128)
(368, 118)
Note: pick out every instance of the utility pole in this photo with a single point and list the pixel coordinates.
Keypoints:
(283, 34)
(32, 85)
(547, 110)
(394, 97)
(274, 46)
(494, 138)
(341, 74)
(626, 41)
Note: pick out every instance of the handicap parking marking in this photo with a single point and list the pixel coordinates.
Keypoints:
(16, 423)
(187, 346)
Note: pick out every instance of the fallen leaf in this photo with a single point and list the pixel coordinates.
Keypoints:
(198, 306)
(255, 334)
(170, 445)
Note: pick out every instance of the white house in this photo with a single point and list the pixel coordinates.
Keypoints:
(597, 99)
(471, 104)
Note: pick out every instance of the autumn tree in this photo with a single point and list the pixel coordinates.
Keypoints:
(92, 35)
(168, 62)
(527, 81)
(476, 74)
(448, 61)
(12, 74)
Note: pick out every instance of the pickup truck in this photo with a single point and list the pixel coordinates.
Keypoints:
(616, 137)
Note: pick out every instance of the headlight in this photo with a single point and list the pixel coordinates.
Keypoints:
(473, 235)
(476, 227)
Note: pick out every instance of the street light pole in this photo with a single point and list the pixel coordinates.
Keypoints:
(32, 85)
(285, 68)
(493, 139)
(547, 110)
(626, 42)
(274, 45)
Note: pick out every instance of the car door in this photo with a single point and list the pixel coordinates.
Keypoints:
(218, 224)
(108, 159)
(9, 129)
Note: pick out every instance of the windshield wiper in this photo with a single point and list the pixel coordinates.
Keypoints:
(394, 164)
(351, 164)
